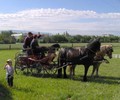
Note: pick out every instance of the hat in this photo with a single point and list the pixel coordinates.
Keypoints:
(30, 33)
(9, 60)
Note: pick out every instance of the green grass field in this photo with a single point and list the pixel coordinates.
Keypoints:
(106, 87)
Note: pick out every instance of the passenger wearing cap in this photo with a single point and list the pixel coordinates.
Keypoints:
(9, 72)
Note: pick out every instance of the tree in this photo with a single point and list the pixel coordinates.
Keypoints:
(5, 37)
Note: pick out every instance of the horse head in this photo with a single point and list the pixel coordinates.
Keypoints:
(94, 45)
(53, 48)
(56, 45)
(109, 50)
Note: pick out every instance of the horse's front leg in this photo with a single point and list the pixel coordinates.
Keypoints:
(74, 69)
(94, 67)
(70, 70)
(85, 72)
(97, 69)
(65, 75)
(59, 75)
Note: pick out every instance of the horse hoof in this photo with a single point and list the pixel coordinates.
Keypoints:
(92, 77)
(59, 76)
(65, 77)
(97, 76)
(84, 79)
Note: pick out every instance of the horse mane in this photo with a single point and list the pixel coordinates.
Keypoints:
(93, 42)
(53, 48)
(56, 45)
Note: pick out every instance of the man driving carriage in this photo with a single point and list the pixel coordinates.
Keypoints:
(27, 42)
(35, 46)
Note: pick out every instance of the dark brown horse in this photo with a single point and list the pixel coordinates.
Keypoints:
(85, 57)
(105, 50)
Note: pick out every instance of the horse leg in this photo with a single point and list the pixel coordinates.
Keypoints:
(65, 75)
(73, 69)
(85, 72)
(94, 68)
(97, 69)
(59, 75)
(70, 70)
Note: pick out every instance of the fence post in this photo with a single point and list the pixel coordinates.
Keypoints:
(10, 47)
(72, 44)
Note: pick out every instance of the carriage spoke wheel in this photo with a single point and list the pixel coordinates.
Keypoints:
(41, 71)
(25, 69)
(19, 67)
(51, 70)
(37, 70)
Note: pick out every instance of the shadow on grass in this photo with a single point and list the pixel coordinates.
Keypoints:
(106, 80)
(41, 75)
(101, 79)
(5, 93)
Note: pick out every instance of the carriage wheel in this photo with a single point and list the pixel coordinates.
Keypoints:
(37, 69)
(19, 68)
(51, 70)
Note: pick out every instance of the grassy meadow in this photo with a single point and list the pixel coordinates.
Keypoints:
(27, 87)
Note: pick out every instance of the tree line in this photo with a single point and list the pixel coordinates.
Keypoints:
(6, 38)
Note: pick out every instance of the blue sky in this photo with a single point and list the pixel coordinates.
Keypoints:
(57, 16)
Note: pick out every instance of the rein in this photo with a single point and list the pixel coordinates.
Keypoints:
(92, 51)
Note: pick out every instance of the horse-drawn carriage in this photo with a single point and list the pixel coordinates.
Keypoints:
(37, 64)
(46, 64)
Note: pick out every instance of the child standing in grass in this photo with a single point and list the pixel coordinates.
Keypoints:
(9, 72)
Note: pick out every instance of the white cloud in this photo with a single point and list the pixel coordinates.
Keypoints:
(60, 20)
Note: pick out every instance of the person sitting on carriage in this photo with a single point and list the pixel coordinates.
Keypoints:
(36, 49)
(27, 42)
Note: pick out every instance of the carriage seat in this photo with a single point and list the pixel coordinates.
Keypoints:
(29, 51)
(45, 60)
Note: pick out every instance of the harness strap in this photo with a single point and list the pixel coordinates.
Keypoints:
(92, 51)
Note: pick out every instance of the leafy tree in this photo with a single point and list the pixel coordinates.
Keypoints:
(5, 37)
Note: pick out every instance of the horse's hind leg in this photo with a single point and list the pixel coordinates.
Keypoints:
(71, 70)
